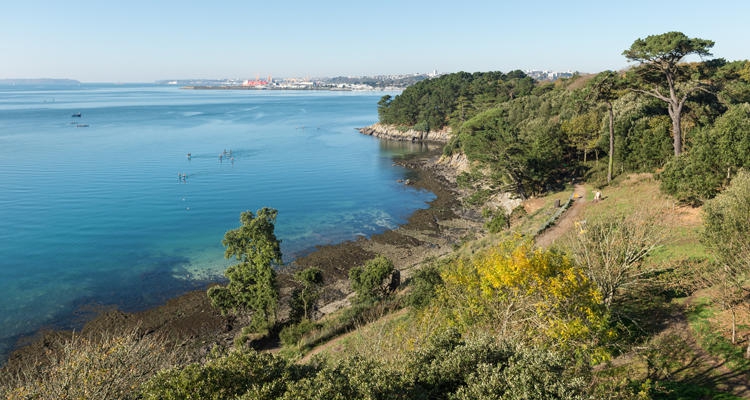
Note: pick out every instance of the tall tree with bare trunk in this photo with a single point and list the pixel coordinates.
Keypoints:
(664, 76)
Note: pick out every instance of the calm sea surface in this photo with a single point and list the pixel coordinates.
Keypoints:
(94, 210)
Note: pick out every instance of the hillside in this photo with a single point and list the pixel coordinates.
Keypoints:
(681, 347)
(589, 240)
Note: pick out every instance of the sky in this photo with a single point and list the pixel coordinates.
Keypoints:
(149, 40)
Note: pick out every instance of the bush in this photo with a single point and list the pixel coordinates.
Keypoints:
(422, 126)
(106, 367)
(517, 214)
(498, 223)
(351, 378)
(249, 373)
(423, 286)
(292, 334)
(529, 374)
(479, 197)
(369, 281)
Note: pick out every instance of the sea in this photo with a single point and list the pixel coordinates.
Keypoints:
(119, 195)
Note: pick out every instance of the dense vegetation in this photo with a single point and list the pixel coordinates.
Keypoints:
(535, 136)
(500, 318)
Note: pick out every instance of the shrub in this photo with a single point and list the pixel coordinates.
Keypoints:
(369, 281)
(517, 214)
(423, 285)
(498, 222)
(105, 367)
(292, 334)
(249, 373)
(351, 378)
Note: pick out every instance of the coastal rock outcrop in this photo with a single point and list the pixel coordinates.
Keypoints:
(393, 132)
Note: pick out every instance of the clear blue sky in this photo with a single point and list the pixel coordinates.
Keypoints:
(147, 40)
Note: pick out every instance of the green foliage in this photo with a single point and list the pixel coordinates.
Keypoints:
(727, 236)
(483, 368)
(252, 282)
(249, 373)
(351, 378)
(667, 48)
(479, 197)
(530, 374)
(309, 287)
(369, 280)
(526, 159)
(664, 77)
(714, 157)
(498, 222)
(291, 335)
(517, 213)
(735, 82)
(423, 285)
(584, 131)
(727, 231)
(689, 179)
(452, 99)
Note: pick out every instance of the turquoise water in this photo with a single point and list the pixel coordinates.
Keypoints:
(94, 211)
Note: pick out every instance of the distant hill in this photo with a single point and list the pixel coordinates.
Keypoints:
(40, 81)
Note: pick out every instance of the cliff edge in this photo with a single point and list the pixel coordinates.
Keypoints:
(393, 132)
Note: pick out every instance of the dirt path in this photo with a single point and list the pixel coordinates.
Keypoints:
(567, 220)
(692, 364)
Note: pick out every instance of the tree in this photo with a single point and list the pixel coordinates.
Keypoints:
(584, 131)
(715, 156)
(606, 89)
(612, 249)
(383, 105)
(252, 282)
(370, 280)
(660, 55)
(727, 235)
(305, 296)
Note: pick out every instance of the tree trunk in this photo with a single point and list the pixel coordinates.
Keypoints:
(611, 142)
(585, 152)
(675, 112)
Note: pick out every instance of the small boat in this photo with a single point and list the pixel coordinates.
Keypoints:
(82, 126)
(76, 115)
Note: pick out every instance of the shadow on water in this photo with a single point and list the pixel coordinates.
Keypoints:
(156, 279)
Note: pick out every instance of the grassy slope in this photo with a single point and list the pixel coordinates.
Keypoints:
(679, 352)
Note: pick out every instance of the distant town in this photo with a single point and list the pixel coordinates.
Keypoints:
(344, 83)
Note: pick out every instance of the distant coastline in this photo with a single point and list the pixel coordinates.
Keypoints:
(227, 87)
(40, 81)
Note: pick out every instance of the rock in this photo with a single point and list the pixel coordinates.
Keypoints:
(392, 132)
(392, 282)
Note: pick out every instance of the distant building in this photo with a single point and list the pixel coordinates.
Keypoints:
(549, 75)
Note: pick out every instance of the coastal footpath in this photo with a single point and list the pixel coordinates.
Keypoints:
(392, 132)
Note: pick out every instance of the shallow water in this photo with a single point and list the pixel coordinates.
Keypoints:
(100, 214)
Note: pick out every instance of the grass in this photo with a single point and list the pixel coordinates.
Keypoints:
(393, 335)
(700, 317)
(537, 218)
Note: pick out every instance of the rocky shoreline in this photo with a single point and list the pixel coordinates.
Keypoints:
(190, 322)
(392, 132)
